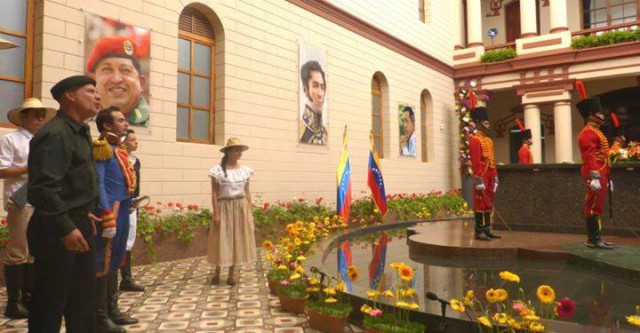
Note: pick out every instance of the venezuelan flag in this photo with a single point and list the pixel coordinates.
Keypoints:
(376, 266)
(375, 180)
(343, 179)
(344, 261)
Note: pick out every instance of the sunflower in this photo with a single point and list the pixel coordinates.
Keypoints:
(501, 295)
(491, 296)
(484, 321)
(634, 320)
(267, 245)
(546, 294)
(297, 241)
(366, 309)
(501, 317)
(406, 273)
(508, 276)
(457, 305)
(352, 272)
(536, 327)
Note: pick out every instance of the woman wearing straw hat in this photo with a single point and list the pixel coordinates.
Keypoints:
(14, 153)
(231, 237)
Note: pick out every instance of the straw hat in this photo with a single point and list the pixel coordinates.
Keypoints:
(30, 103)
(5, 44)
(234, 142)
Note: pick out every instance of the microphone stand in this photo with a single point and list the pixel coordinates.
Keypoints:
(442, 326)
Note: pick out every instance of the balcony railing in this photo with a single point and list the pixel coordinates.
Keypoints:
(615, 27)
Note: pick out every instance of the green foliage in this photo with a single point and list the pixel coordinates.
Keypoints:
(605, 38)
(4, 233)
(170, 219)
(295, 289)
(334, 310)
(269, 217)
(498, 55)
(277, 275)
(389, 323)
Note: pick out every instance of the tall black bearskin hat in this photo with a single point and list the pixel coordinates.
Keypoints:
(479, 114)
(587, 106)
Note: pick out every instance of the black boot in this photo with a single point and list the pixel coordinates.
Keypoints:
(127, 283)
(28, 280)
(13, 280)
(479, 228)
(487, 226)
(112, 302)
(104, 323)
(594, 240)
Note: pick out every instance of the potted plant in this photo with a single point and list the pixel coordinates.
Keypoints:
(328, 309)
(505, 309)
(391, 308)
(292, 292)
(276, 255)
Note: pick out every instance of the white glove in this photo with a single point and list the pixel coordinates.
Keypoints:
(480, 187)
(495, 184)
(109, 232)
(595, 185)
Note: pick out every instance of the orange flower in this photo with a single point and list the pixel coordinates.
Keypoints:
(352, 272)
(405, 272)
(170, 204)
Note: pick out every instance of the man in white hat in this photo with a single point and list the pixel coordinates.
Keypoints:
(14, 152)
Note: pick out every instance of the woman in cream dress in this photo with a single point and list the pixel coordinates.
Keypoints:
(231, 236)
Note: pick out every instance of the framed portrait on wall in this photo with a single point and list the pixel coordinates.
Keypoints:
(314, 114)
(117, 57)
(407, 121)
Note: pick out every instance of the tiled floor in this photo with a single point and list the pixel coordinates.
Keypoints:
(179, 298)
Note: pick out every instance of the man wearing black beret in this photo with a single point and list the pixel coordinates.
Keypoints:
(63, 190)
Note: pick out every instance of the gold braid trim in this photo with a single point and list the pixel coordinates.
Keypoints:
(603, 154)
(107, 259)
(129, 173)
(101, 150)
(487, 149)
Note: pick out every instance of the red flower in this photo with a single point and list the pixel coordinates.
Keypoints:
(318, 200)
(195, 207)
(266, 206)
(288, 205)
(300, 199)
(149, 208)
(566, 308)
(179, 205)
(170, 204)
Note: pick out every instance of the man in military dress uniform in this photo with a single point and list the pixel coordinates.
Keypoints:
(594, 148)
(524, 154)
(117, 180)
(63, 189)
(314, 85)
(115, 64)
(485, 175)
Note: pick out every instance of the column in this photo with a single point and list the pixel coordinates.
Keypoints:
(558, 13)
(528, 18)
(563, 131)
(532, 121)
(459, 26)
(474, 23)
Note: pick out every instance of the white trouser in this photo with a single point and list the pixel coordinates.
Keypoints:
(133, 223)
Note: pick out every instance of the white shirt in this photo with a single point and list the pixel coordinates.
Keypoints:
(14, 152)
(231, 186)
(410, 148)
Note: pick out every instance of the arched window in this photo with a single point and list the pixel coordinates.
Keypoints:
(376, 115)
(196, 50)
(16, 64)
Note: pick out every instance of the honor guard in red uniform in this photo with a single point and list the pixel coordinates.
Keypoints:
(594, 148)
(485, 175)
(524, 154)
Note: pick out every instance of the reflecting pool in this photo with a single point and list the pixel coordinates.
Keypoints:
(602, 299)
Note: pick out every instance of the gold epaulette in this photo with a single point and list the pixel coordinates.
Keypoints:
(102, 151)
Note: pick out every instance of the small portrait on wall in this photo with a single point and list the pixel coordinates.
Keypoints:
(314, 114)
(407, 121)
(117, 56)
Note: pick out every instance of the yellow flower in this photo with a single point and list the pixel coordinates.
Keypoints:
(301, 258)
(388, 293)
(491, 296)
(270, 257)
(295, 276)
(515, 324)
(402, 305)
(267, 245)
(297, 241)
(313, 289)
(330, 300)
(300, 269)
(531, 317)
(282, 268)
(373, 294)
(329, 291)
(341, 286)
(546, 294)
(634, 320)
(508, 276)
(468, 298)
(484, 321)
(413, 306)
(501, 295)
(501, 318)
(352, 272)
(406, 273)
(313, 281)
(457, 305)
(536, 327)
(396, 265)
(366, 309)
(409, 292)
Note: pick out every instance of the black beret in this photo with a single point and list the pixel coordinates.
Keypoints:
(68, 83)
(588, 106)
(479, 114)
